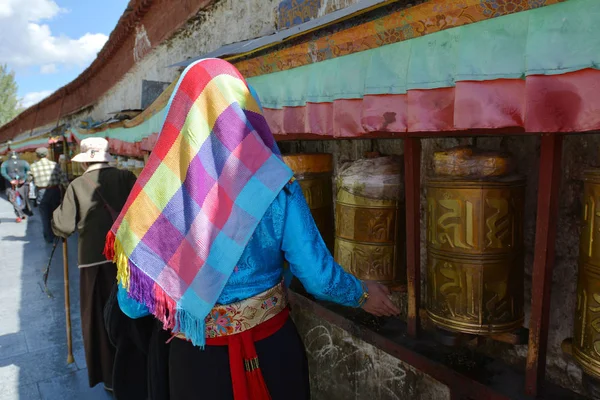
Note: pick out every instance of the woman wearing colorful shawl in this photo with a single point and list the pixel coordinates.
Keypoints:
(202, 240)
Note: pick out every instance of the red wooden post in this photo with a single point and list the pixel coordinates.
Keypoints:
(543, 262)
(412, 181)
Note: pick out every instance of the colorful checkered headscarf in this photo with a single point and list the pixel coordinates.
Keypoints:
(212, 175)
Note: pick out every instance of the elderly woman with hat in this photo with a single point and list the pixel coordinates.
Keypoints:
(89, 208)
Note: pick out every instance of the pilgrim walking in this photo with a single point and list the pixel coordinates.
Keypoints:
(15, 171)
(89, 207)
(48, 179)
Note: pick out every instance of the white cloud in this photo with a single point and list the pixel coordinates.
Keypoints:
(34, 97)
(37, 9)
(26, 41)
(48, 69)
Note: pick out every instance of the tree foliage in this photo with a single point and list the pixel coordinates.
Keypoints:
(9, 102)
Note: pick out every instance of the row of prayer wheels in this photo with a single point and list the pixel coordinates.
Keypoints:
(475, 251)
(474, 231)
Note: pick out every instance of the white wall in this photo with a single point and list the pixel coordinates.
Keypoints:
(226, 22)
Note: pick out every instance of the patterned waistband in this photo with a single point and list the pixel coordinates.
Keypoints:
(234, 318)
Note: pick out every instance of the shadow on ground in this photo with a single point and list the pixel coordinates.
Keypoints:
(33, 351)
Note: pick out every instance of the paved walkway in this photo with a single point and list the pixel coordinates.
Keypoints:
(33, 338)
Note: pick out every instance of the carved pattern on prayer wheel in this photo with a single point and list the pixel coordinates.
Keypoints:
(367, 231)
(369, 240)
(314, 173)
(586, 340)
(475, 254)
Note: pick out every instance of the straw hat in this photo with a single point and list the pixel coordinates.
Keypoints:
(93, 150)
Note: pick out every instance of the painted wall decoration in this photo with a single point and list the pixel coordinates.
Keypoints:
(294, 12)
(142, 43)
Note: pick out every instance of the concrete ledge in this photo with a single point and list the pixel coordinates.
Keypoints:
(426, 366)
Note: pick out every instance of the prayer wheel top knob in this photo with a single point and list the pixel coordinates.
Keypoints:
(592, 175)
(309, 163)
(373, 178)
(470, 162)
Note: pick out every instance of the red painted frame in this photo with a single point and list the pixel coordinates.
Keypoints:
(543, 262)
(412, 183)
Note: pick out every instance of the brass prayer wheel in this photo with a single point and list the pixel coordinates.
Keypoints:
(475, 253)
(314, 173)
(586, 340)
(370, 220)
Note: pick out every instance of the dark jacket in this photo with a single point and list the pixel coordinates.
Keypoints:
(14, 169)
(83, 210)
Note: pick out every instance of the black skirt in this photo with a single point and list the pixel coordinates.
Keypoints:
(142, 356)
(95, 285)
(132, 370)
(158, 364)
(204, 374)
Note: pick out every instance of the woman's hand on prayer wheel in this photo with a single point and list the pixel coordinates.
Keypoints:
(378, 302)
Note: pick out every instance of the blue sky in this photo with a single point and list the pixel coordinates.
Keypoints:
(48, 43)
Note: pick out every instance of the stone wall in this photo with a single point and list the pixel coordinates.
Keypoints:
(579, 153)
(343, 367)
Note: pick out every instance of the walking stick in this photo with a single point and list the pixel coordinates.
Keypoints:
(47, 269)
(70, 358)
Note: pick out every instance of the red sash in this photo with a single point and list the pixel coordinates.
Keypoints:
(246, 376)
